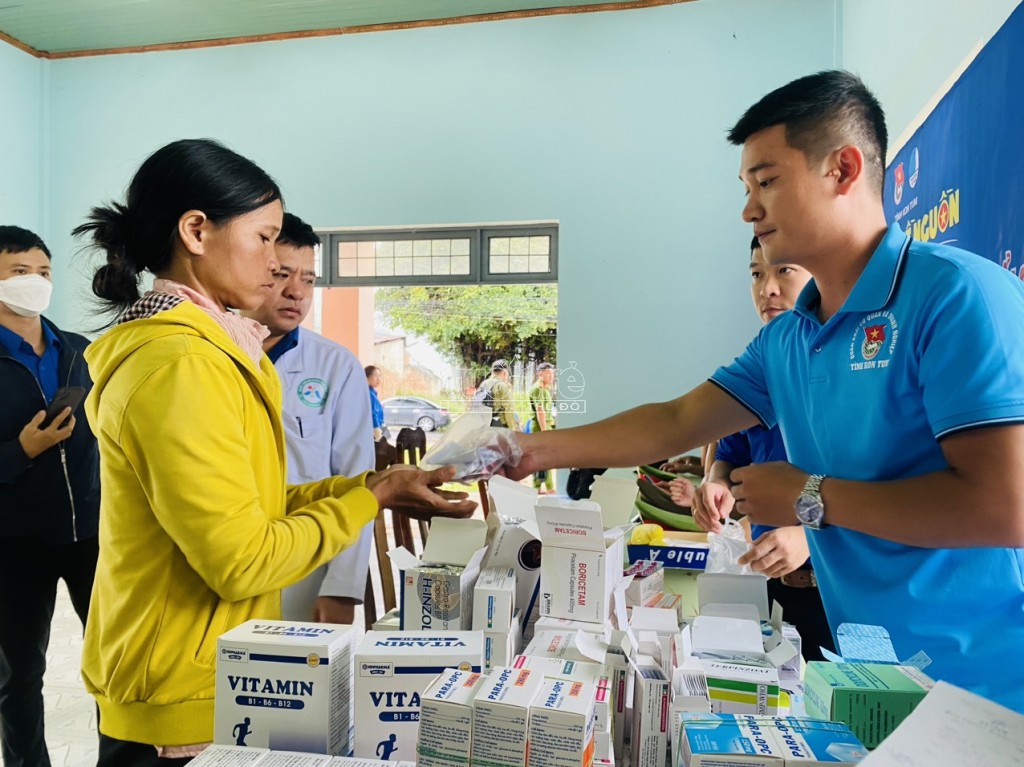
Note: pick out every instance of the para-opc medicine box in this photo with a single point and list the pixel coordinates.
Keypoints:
(727, 740)
(446, 719)
(501, 715)
(561, 730)
(284, 685)
(392, 669)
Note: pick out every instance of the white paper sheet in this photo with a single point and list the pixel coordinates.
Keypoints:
(952, 728)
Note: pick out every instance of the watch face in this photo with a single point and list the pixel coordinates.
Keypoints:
(809, 510)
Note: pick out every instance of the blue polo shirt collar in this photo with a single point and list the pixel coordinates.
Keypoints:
(288, 342)
(18, 346)
(876, 284)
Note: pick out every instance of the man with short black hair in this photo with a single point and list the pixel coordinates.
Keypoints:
(898, 383)
(497, 389)
(327, 423)
(781, 553)
(49, 490)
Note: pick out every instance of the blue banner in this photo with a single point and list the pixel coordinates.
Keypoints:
(960, 178)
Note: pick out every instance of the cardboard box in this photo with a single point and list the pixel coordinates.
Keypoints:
(446, 719)
(648, 581)
(437, 589)
(501, 714)
(582, 562)
(494, 599)
(389, 621)
(513, 540)
(568, 645)
(284, 685)
(672, 602)
(561, 729)
(501, 647)
(649, 742)
(392, 670)
(682, 551)
(872, 698)
(564, 625)
(729, 589)
(748, 741)
(239, 756)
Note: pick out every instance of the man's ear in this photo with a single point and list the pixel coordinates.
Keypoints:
(192, 228)
(846, 168)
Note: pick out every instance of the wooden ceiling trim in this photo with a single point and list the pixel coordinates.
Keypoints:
(4, 37)
(387, 27)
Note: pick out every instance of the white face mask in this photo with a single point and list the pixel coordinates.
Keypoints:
(26, 294)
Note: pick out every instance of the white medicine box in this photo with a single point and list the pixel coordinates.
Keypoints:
(437, 589)
(285, 686)
(582, 561)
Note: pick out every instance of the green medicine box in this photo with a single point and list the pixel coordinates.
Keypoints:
(871, 698)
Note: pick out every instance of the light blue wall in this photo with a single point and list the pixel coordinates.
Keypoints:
(906, 50)
(611, 123)
(21, 139)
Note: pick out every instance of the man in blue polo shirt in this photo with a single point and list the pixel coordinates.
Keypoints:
(781, 553)
(897, 382)
(327, 424)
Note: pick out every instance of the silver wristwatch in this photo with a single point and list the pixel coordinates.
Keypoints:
(810, 507)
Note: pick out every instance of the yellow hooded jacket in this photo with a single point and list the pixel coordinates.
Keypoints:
(198, 530)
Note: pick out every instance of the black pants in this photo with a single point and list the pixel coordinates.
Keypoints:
(29, 571)
(125, 753)
(803, 609)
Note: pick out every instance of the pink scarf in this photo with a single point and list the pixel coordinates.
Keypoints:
(248, 334)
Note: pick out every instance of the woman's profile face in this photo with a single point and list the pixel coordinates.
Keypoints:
(238, 264)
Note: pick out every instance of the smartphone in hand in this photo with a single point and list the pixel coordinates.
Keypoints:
(66, 396)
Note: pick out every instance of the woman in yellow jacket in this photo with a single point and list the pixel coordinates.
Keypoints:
(198, 530)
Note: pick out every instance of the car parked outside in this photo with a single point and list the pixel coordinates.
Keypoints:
(415, 411)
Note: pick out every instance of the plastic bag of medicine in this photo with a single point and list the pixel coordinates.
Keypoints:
(474, 447)
(725, 548)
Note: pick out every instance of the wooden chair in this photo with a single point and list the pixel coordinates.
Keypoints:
(401, 532)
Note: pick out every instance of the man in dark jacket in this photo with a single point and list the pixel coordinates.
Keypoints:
(49, 490)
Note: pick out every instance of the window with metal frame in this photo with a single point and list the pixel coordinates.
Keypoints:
(507, 253)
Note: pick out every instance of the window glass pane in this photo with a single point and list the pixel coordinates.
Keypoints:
(421, 247)
(403, 266)
(499, 246)
(540, 246)
(441, 247)
(367, 267)
(403, 248)
(385, 267)
(519, 246)
(519, 264)
(460, 247)
(385, 250)
(499, 264)
(421, 266)
(441, 265)
(540, 264)
(346, 250)
(347, 267)
(366, 249)
(460, 264)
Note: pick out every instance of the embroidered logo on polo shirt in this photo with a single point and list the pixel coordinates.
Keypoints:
(313, 392)
(874, 340)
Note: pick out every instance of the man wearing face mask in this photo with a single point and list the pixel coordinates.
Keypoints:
(49, 490)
